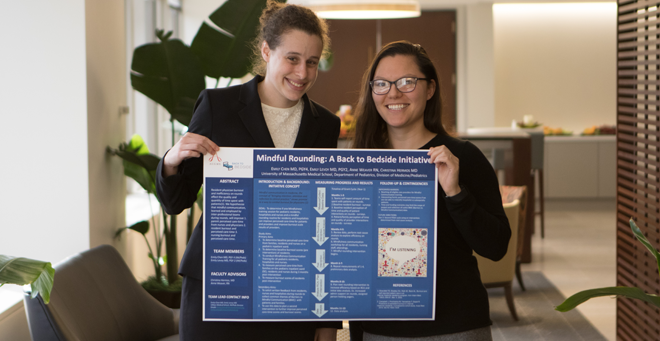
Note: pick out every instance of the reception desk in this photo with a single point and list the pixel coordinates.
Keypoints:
(580, 167)
(510, 150)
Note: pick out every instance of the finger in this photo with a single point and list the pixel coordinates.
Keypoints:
(189, 154)
(203, 146)
(191, 138)
(443, 153)
(190, 149)
(208, 144)
(440, 157)
(447, 163)
(434, 154)
(450, 162)
(439, 150)
(445, 159)
(432, 150)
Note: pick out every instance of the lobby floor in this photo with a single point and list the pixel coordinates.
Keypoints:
(578, 253)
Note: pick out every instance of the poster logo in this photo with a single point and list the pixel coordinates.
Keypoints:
(230, 162)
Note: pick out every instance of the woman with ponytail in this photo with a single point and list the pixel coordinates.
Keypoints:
(271, 110)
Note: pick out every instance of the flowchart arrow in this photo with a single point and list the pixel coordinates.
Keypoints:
(320, 200)
(320, 287)
(320, 260)
(320, 231)
(320, 309)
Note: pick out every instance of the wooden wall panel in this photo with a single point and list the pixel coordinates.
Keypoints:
(353, 43)
(638, 162)
(439, 41)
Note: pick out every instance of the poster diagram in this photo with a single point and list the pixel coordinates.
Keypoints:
(322, 235)
(402, 252)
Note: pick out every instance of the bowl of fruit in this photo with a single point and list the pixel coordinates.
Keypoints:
(599, 130)
(347, 128)
(548, 131)
(528, 122)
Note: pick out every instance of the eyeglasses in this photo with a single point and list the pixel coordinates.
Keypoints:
(405, 84)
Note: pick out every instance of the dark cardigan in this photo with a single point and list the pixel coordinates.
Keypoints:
(472, 220)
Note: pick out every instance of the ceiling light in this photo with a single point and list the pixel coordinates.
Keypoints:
(364, 9)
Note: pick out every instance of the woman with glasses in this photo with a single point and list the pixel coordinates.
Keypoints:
(400, 108)
(271, 110)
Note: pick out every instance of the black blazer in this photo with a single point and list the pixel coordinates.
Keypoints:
(232, 117)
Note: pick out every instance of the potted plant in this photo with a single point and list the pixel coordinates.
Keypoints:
(140, 165)
(630, 292)
(173, 74)
(23, 271)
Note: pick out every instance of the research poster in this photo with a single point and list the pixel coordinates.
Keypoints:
(319, 235)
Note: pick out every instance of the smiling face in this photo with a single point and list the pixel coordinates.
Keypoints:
(402, 110)
(291, 68)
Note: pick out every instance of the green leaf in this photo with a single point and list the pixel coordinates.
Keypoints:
(140, 175)
(139, 164)
(170, 74)
(149, 161)
(22, 271)
(585, 295)
(200, 199)
(325, 64)
(229, 55)
(137, 146)
(640, 236)
(142, 227)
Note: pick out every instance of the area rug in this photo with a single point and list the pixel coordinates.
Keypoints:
(538, 320)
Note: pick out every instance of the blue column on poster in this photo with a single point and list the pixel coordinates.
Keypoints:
(311, 234)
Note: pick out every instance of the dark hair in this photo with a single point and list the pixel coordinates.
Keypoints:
(279, 18)
(371, 129)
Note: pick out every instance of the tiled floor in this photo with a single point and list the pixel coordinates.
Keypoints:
(538, 320)
(578, 253)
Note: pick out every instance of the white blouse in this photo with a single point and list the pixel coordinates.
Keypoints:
(283, 123)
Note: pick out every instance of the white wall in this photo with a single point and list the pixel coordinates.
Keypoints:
(44, 205)
(48, 88)
(556, 62)
(194, 13)
(106, 125)
(479, 73)
(14, 325)
(61, 87)
(43, 91)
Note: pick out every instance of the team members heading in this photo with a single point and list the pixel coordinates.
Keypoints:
(340, 158)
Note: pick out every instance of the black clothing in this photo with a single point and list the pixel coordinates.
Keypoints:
(471, 220)
(232, 117)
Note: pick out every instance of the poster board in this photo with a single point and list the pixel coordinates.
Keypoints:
(319, 235)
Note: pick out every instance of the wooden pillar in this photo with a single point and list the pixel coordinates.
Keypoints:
(520, 174)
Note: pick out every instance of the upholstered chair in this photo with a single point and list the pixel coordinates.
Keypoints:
(95, 297)
(502, 272)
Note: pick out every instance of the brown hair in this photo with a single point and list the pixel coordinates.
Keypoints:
(279, 18)
(371, 129)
